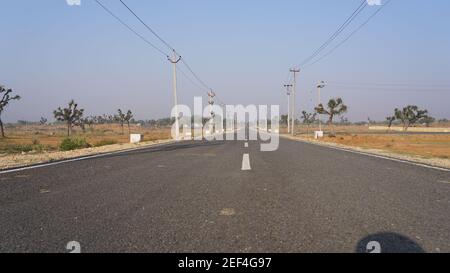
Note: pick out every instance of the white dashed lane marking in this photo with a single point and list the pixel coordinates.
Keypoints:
(246, 162)
(246, 145)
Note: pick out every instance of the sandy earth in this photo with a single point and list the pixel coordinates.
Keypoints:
(437, 162)
(25, 159)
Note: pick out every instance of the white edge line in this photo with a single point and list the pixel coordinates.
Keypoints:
(63, 161)
(374, 155)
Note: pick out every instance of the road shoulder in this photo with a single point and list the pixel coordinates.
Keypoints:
(9, 162)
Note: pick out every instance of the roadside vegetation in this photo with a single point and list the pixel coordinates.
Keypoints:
(408, 131)
(70, 129)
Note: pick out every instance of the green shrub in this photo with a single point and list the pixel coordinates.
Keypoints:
(105, 142)
(69, 144)
(14, 149)
(25, 148)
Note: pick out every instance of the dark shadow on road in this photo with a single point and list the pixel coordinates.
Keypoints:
(388, 242)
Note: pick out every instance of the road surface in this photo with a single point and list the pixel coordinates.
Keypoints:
(198, 197)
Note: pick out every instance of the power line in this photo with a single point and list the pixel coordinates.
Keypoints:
(168, 45)
(149, 28)
(351, 34)
(190, 79)
(338, 31)
(391, 88)
(194, 74)
(130, 28)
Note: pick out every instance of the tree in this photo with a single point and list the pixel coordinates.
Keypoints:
(71, 115)
(128, 118)
(284, 119)
(120, 117)
(427, 120)
(43, 121)
(390, 120)
(308, 119)
(410, 115)
(6, 98)
(336, 107)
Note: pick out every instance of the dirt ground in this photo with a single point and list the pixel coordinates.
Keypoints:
(417, 144)
(27, 145)
(45, 138)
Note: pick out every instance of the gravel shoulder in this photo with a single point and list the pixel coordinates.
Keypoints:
(26, 159)
(437, 162)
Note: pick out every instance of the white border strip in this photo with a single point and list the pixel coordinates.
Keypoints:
(63, 161)
(374, 155)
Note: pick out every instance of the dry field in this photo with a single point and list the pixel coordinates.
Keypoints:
(415, 144)
(45, 138)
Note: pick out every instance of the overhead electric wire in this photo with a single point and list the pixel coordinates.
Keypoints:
(168, 45)
(397, 88)
(351, 35)
(149, 28)
(130, 28)
(337, 32)
(190, 79)
(194, 74)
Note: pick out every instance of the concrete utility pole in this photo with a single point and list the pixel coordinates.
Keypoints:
(295, 71)
(174, 60)
(320, 85)
(211, 96)
(288, 86)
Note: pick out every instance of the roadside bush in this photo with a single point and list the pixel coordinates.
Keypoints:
(69, 144)
(25, 148)
(105, 142)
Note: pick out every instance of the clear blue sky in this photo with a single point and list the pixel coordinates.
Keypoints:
(52, 52)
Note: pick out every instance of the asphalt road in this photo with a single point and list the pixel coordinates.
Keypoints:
(195, 197)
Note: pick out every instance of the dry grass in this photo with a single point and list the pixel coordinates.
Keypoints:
(42, 138)
(427, 146)
(422, 145)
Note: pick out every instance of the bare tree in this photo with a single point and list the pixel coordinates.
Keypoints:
(6, 98)
(71, 115)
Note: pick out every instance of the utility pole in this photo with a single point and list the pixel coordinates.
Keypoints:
(288, 86)
(295, 71)
(174, 60)
(211, 96)
(320, 85)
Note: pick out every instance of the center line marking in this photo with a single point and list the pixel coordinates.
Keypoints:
(246, 145)
(246, 162)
